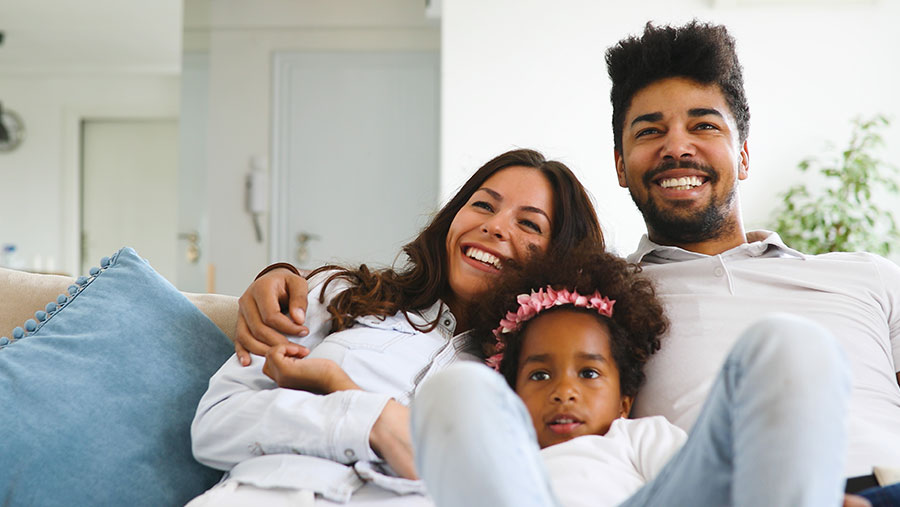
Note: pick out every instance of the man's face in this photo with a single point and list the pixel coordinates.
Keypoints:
(681, 160)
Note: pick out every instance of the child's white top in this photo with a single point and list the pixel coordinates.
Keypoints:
(596, 471)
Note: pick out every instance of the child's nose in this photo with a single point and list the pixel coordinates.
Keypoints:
(564, 391)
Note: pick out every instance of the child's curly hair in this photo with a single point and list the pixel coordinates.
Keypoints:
(635, 328)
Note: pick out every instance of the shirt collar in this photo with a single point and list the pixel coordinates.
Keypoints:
(759, 243)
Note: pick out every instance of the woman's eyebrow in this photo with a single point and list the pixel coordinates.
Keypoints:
(497, 196)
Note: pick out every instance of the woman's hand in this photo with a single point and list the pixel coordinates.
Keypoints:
(390, 438)
(289, 367)
(260, 321)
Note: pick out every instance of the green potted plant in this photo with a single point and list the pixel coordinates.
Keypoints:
(837, 210)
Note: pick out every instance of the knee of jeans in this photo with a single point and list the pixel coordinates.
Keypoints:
(793, 345)
(457, 386)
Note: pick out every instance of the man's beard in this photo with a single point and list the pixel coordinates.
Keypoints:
(711, 222)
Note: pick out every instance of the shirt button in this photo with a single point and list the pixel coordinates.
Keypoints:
(447, 322)
(349, 453)
(719, 271)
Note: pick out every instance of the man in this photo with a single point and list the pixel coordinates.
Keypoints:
(681, 121)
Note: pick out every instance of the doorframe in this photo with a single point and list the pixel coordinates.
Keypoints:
(70, 188)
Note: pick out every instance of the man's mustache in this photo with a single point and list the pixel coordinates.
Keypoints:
(668, 165)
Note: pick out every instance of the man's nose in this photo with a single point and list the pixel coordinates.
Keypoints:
(678, 144)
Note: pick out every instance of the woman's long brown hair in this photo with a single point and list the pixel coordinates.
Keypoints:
(423, 280)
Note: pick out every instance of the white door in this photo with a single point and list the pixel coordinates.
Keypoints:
(129, 191)
(356, 154)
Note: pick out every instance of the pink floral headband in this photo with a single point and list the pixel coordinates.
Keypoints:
(530, 305)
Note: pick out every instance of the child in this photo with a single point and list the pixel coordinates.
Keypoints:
(572, 346)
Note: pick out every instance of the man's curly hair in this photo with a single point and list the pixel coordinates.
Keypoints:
(635, 328)
(700, 51)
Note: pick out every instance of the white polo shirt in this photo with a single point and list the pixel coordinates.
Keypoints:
(712, 299)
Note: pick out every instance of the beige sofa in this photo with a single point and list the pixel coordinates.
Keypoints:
(21, 294)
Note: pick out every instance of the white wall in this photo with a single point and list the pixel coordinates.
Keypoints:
(531, 73)
(38, 181)
(240, 38)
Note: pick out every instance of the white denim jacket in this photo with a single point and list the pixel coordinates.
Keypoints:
(274, 437)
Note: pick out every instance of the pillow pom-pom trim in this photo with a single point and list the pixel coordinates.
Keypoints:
(32, 326)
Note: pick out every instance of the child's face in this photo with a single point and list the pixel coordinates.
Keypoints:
(567, 377)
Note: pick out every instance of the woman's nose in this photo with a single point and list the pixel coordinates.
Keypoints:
(495, 227)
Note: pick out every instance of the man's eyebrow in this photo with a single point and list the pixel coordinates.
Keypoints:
(649, 117)
(496, 195)
(704, 111)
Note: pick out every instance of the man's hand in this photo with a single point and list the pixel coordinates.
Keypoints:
(390, 439)
(260, 321)
(289, 367)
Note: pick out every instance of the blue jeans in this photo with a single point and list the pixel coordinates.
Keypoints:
(772, 431)
(886, 496)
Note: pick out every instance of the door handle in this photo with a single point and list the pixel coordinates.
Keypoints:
(193, 249)
(303, 238)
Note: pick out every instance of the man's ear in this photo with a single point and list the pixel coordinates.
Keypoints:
(744, 166)
(620, 169)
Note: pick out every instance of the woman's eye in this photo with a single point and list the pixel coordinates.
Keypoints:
(539, 375)
(590, 373)
(483, 205)
(531, 225)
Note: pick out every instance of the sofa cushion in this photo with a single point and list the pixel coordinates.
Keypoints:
(21, 293)
(98, 394)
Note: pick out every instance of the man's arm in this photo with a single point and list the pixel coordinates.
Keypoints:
(261, 323)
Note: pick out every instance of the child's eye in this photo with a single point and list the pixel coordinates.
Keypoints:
(483, 205)
(589, 373)
(539, 375)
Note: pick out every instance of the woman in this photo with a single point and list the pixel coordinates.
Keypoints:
(389, 330)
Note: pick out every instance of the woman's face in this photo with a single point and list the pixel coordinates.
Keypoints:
(508, 217)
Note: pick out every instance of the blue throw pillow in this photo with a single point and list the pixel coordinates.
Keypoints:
(98, 391)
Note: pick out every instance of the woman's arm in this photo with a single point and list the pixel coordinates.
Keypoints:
(288, 366)
(244, 414)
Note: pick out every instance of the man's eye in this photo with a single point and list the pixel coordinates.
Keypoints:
(483, 205)
(589, 373)
(706, 126)
(539, 375)
(646, 132)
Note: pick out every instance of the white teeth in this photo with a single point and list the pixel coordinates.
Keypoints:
(683, 183)
(483, 256)
(563, 421)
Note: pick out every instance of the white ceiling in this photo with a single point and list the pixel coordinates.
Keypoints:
(73, 36)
